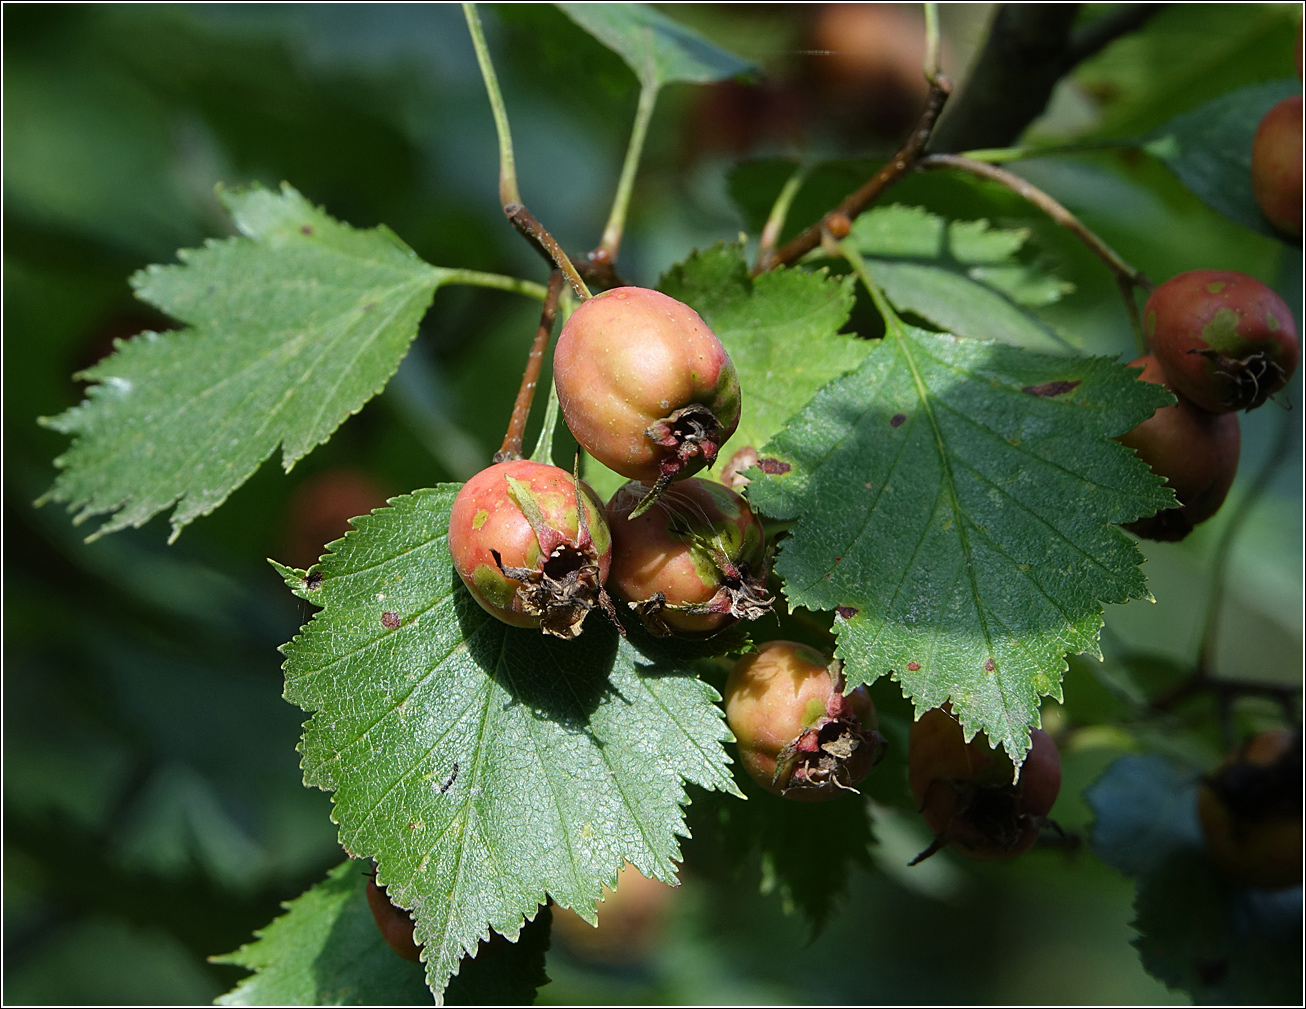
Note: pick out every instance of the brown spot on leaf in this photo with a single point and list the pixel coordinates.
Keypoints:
(989, 666)
(773, 467)
(1049, 389)
(313, 581)
(390, 620)
(847, 612)
(838, 559)
(867, 485)
(897, 420)
(913, 667)
(369, 306)
(306, 229)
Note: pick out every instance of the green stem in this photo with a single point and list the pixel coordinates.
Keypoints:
(893, 324)
(475, 278)
(933, 65)
(544, 444)
(507, 163)
(998, 155)
(775, 221)
(611, 243)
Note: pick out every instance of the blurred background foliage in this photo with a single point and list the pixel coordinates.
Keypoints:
(153, 808)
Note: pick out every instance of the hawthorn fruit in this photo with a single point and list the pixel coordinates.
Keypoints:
(1250, 808)
(967, 794)
(526, 552)
(1196, 452)
(1277, 165)
(694, 562)
(645, 386)
(1223, 339)
(396, 926)
(799, 735)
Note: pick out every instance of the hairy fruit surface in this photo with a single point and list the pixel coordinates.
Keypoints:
(645, 386)
(799, 736)
(396, 926)
(966, 791)
(1223, 339)
(695, 561)
(1277, 165)
(1196, 452)
(1250, 808)
(524, 549)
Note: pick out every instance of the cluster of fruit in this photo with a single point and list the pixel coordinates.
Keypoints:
(1221, 342)
(801, 737)
(648, 391)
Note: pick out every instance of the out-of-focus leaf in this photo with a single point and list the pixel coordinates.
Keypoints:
(486, 767)
(1219, 942)
(294, 328)
(956, 504)
(657, 48)
(1186, 55)
(781, 330)
(1210, 149)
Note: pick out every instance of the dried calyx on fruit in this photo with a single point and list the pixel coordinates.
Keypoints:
(1251, 811)
(799, 735)
(1223, 339)
(645, 386)
(1196, 452)
(527, 551)
(695, 561)
(395, 924)
(967, 794)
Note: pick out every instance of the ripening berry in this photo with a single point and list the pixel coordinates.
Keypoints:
(694, 562)
(1277, 165)
(525, 551)
(966, 793)
(1196, 452)
(645, 386)
(1250, 808)
(395, 924)
(799, 736)
(1223, 339)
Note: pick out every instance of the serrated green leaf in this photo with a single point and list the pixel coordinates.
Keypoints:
(657, 48)
(486, 767)
(292, 329)
(956, 503)
(781, 330)
(1210, 149)
(960, 276)
(325, 950)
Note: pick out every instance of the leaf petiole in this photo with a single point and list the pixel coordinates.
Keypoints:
(612, 232)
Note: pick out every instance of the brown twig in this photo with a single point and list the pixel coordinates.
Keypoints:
(538, 235)
(1126, 276)
(896, 167)
(521, 409)
(599, 268)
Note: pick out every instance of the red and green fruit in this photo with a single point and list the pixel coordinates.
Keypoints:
(694, 562)
(1250, 808)
(799, 735)
(395, 925)
(525, 550)
(1223, 339)
(969, 793)
(1277, 165)
(1196, 452)
(645, 386)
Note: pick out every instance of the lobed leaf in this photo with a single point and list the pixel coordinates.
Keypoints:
(1210, 149)
(658, 49)
(292, 328)
(956, 505)
(962, 276)
(487, 768)
(781, 330)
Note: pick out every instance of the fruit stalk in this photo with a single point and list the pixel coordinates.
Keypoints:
(521, 409)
